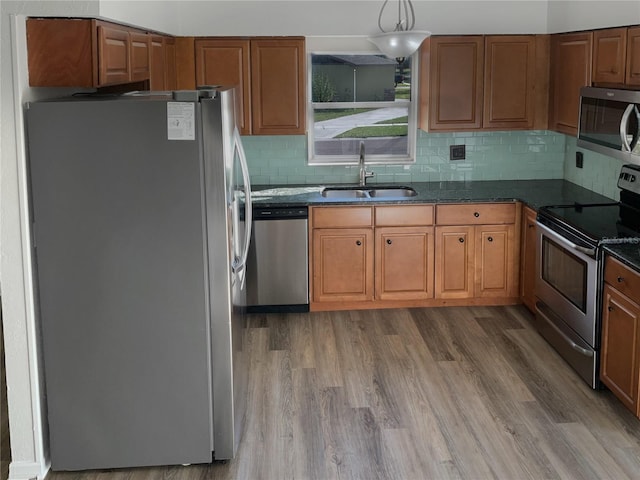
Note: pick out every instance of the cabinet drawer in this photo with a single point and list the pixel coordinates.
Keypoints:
(341, 217)
(404, 215)
(476, 214)
(622, 278)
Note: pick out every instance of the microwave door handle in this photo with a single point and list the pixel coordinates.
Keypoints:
(624, 122)
(636, 134)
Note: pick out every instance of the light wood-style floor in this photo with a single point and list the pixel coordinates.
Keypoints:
(460, 393)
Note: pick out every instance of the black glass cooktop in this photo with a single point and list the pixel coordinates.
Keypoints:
(597, 222)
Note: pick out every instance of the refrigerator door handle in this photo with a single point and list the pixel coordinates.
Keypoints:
(239, 267)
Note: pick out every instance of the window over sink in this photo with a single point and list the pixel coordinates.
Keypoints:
(361, 98)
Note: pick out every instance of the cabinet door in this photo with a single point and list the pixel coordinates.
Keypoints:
(114, 64)
(157, 67)
(509, 78)
(278, 86)
(609, 55)
(140, 56)
(570, 70)
(454, 262)
(170, 78)
(632, 75)
(404, 263)
(226, 62)
(342, 264)
(494, 261)
(619, 368)
(528, 259)
(453, 83)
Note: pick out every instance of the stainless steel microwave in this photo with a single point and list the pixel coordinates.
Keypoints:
(610, 122)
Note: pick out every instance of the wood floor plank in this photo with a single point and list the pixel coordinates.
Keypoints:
(328, 369)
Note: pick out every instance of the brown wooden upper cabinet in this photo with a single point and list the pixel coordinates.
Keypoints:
(451, 81)
(85, 53)
(616, 56)
(609, 55)
(223, 61)
(632, 75)
(509, 81)
(570, 70)
(478, 82)
(163, 63)
(270, 73)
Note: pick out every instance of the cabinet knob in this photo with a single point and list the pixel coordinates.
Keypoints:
(461, 240)
(389, 242)
(476, 214)
(531, 225)
(620, 279)
(610, 309)
(490, 239)
(358, 242)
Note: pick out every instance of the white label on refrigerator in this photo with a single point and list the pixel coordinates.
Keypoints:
(181, 124)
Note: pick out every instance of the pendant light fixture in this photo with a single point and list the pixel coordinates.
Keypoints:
(403, 41)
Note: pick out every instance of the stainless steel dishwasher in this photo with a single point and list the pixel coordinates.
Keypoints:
(277, 267)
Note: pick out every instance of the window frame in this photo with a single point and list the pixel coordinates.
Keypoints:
(412, 121)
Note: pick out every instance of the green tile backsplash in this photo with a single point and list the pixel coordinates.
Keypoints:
(598, 173)
(512, 155)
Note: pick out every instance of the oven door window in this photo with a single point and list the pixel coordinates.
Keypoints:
(565, 272)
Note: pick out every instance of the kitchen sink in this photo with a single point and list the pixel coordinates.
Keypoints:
(342, 192)
(372, 192)
(392, 192)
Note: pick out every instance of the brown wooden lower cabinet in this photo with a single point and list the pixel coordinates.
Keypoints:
(620, 352)
(528, 255)
(475, 261)
(343, 265)
(404, 263)
(392, 255)
(494, 261)
(454, 262)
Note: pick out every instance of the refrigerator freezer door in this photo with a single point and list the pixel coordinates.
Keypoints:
(118, 212)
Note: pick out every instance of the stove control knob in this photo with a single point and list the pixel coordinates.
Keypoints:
(632, 178)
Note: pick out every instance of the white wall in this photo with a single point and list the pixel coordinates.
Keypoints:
(327, 17)
(571, 15)
(24, 380)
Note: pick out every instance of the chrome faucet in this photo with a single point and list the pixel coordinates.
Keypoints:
(363, 173)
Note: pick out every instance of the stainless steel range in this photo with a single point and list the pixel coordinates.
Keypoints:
(569, 270)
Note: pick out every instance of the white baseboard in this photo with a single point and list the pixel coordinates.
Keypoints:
(27, 471)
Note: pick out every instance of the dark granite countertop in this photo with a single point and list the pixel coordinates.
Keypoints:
(535, 193)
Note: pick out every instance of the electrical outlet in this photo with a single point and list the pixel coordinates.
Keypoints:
(578, 159)
(457, 152)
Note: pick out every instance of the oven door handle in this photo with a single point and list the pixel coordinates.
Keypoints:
(590, 252)
(540, 307)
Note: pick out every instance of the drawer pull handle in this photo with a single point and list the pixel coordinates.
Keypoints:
(490, 239)
(476, 214)
(389, 242)
(620, 279)
(531, 225)
(358, 242)
(461, 240)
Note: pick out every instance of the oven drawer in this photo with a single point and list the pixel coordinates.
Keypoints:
(622, 278)
(476, 214)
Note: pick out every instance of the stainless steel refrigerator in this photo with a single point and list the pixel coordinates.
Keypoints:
(141, 217)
